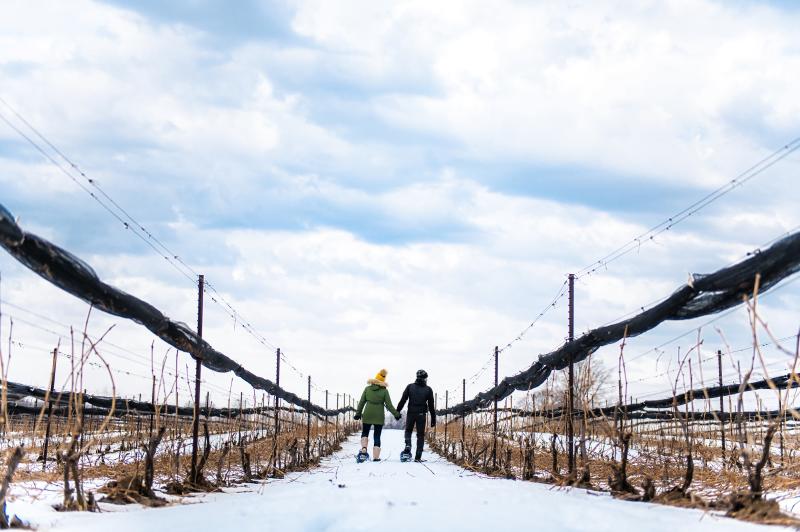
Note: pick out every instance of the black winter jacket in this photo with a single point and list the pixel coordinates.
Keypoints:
(420, 398)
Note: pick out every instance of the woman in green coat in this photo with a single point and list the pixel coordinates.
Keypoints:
(370, 407)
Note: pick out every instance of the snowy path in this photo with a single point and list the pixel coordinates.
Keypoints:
(344, 496)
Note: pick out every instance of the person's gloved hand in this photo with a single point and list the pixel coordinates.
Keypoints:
(357, 416)
(398, 416)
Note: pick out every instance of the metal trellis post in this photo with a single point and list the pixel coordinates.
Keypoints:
(435, 407)
(721, 406)
(326, 417)
(308, 422)
(494, 423)
(463, 418)
(571, 391)
(196, 420)
(446, 399)
(49, 410)
(276, 429)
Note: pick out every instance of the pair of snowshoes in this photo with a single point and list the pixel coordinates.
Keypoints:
(405, 456)
(362, 456)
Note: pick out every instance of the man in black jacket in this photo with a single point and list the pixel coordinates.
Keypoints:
(420, 399)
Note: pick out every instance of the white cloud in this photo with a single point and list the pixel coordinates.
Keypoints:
(340, 304)
(678, 94)
(653, 91)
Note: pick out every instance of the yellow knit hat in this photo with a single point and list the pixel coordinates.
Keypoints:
(381, 376)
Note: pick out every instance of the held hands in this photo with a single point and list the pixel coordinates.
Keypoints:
(398, 416)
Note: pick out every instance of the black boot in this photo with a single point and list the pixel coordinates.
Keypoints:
(405, 455)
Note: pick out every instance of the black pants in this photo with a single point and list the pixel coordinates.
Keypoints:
(377, 435)
(418, 421)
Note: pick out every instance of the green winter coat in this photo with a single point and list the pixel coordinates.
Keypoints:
(374, 398)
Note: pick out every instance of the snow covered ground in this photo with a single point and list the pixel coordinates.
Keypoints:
(389, 495)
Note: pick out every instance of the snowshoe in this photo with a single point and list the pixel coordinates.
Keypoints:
(405, 456)
(362, 456)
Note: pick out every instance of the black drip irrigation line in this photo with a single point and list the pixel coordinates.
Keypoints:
(717, 416)
(640, 409)
(122, 410)
(790, 415)
(101, 404)
(702, 295)
(71, 274)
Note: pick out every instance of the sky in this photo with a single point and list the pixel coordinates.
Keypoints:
(396, 185)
